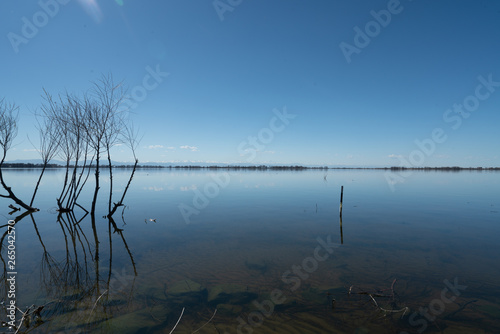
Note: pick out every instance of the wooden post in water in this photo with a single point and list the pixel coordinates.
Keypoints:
(341, 199)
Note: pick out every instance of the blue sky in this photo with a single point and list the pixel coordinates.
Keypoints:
(226, 69)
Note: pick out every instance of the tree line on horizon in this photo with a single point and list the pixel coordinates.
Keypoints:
(29, 165)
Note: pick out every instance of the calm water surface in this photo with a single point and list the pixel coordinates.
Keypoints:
(262, 252)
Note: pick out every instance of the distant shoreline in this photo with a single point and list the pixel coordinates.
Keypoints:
(258, 167)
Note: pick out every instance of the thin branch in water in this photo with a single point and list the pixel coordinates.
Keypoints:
(178, 320)
(404, 309)
(24, 316)
(95, 304)
(213, 315)
(382, 295)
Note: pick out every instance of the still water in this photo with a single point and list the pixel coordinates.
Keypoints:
(243, 251)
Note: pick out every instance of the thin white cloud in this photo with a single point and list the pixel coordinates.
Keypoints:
(152, 147)
(245, 151)
(191, 148)
(395, 156)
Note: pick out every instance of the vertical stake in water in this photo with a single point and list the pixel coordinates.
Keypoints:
(341, 199)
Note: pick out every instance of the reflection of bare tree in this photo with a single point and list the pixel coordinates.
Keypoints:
(341, 232)
(72, 273)
(120, 232)
(74, 296)
(4, 288)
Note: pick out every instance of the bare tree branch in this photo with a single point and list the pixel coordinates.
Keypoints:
(49, 142)
(8, 131)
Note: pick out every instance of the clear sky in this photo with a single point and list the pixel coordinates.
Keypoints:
(311, 82)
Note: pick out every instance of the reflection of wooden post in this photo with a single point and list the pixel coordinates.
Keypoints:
(341, 199)
(341, 233)
(340, 209)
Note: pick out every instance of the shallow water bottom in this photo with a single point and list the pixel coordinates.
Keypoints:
(270, 255)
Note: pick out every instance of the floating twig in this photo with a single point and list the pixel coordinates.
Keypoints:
(95, 304)
(373, 295)
(404, 309)
(178, 320)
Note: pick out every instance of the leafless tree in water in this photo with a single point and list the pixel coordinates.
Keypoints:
(113, 129)
(8, 131)
(82, 131)
(67, 114)
(132, 141)
(48, 145)
(104, 126)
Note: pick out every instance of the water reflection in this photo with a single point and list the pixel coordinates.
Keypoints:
(141, 272)
(79, 294)
(341, 231)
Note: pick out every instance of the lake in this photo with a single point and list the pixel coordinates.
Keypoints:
(239, 251)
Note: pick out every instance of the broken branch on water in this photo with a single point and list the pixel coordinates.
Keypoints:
(381, 295)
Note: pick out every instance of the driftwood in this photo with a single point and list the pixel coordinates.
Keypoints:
(382, 294)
